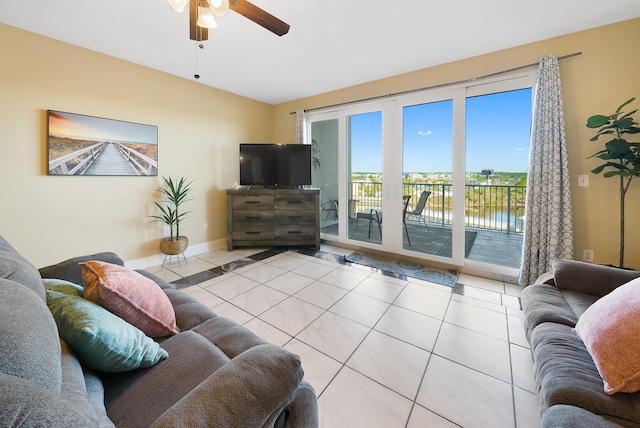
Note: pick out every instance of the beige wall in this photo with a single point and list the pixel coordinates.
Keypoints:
(597, 82)
(50, 218)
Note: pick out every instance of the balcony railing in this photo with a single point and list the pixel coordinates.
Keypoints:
(490, 207)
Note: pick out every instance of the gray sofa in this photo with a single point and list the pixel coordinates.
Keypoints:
(217, 372)
(569, 387)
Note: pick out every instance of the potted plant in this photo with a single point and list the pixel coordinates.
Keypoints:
(175, 194)
(622, 158)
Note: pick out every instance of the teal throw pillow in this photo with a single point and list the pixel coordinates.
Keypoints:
(102, 340)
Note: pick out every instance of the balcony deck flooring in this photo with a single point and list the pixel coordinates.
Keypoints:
(490, 246)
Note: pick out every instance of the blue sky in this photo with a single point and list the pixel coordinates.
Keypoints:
(497, 135)
(81, 127)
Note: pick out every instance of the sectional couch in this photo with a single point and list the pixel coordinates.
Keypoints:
(583, 324)
(203, 369)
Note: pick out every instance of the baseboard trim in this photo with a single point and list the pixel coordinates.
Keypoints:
(192, 250)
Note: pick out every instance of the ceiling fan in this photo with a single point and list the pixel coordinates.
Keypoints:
(202, 12)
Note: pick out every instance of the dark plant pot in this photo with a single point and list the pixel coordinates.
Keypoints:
(171, 248)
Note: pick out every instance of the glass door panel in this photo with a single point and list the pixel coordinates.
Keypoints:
(324, 172)
(364, 184)
(427, 177)
(498, 127)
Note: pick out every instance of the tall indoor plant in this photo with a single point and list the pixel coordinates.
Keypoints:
(622, 157)
(175, 193)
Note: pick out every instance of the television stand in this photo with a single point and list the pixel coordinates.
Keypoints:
(273, 217)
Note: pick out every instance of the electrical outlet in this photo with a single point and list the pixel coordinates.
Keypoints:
(205, 226)
(167, 231)
(587, 256)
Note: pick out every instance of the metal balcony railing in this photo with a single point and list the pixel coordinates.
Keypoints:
(489, 207)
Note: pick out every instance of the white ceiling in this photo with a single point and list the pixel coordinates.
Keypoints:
(331, 45)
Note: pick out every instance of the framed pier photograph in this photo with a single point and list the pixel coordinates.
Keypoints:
(87, 145)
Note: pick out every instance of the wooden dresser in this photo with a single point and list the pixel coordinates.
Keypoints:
(273, 217)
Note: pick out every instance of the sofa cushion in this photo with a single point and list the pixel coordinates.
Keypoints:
(590, 278)
(137, 399)
(71, 271)
(25, 404)
(610, 329)
(29, 343)
(133, 297)
(232, 338)
(566, 374)
(16, 268)
(563, 416)
(579, 302)
(102, 340)
(545, 303)
(73, 387)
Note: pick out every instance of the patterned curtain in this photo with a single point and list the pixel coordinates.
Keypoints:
(301, 125)
(549, 227)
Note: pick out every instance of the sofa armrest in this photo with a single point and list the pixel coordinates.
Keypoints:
(590, 278)
(546, 278)
(69, 270)
(249, 391)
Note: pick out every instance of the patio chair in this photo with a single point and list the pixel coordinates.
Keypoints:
(417, 212)
(406, 199)
(328, 206)
(371, 215)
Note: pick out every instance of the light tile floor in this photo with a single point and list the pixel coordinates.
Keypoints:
(381, 351)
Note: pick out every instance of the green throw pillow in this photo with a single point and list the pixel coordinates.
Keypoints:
(64, 287)
(102, 340)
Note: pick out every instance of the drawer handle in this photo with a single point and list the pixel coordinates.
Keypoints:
(294, 217)
(253, 217)
(252, 202)
(294, 232)
(294, 202)
(254, 233)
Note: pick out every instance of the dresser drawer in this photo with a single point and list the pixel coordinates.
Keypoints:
(295, 202)
(296, 233)
(256, 219)
(252, 235)
(294, 217)
(252, 202)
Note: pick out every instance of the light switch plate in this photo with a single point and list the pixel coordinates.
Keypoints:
(583, 180)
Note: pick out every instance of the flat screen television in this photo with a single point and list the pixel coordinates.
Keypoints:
(275, 165)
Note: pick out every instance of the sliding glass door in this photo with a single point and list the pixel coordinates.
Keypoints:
(365, 183)
(431, 174)
(498, 128)
(324, 172)
(427, 177)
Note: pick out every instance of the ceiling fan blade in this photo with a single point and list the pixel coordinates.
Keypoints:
(259, 16)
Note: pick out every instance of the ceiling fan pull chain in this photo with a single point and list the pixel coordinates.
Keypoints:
(198, 45)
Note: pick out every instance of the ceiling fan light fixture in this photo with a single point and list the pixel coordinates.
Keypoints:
(219, 7)
(205, 17)
(178, 5)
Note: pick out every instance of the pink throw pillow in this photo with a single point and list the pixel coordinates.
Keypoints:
(610, 329)
(129, 295)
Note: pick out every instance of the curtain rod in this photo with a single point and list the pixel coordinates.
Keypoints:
(378, 97)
